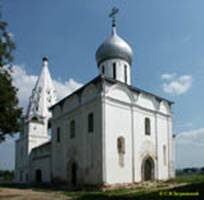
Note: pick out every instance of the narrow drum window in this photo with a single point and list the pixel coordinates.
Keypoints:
(125, 73)
(90, 122)
(58, 134)
(72, 129)
(103, 69)
(147, 126)
(114, 70)
(49, 128)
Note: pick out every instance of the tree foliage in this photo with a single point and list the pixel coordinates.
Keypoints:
(10, 113)
(6, 45)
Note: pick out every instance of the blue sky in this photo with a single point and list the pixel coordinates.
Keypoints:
(168, 42)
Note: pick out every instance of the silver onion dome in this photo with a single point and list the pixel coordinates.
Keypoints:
(114, 47)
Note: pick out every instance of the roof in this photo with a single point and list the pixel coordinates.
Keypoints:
(99, 78)
(41, 146)
(95, 80)
(43, 95)
(133, 88)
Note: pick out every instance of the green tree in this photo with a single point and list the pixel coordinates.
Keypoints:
(10, 112)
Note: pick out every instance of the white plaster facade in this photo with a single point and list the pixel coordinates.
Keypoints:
(106, 132)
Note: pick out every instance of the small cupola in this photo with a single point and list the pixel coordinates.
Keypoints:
(114, 56)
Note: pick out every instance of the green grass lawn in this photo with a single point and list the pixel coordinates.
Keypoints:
(185, 185)
(181, 185)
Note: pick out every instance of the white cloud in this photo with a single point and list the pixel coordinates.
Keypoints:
(25, 82)
(195, 137)
(181, 127)
(190, 148)
(176, 85)
(66, 88)
(168, 76)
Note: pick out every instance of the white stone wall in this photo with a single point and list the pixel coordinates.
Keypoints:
(117, 124)
(43, 164)
(84, 148)
(163, 170)
(21, 160)
(35, 134)
(40, 159)
(144, 145)
(124, 114)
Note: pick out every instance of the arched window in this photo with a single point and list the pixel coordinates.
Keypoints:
(49, 128)
(58, 134)
(114, 70)
(147, 126)
(35, 119)
(90, 122)
(121, 150)
(164, 154)
(121, 145)
(72, 129)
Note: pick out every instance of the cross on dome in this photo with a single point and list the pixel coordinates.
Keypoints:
(114, 47)
(113, 14)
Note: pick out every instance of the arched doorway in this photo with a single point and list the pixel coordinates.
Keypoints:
(148, 169)
(74, 174)
(38, 176)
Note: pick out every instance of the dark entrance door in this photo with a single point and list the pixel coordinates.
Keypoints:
(38, 176)
(148, 169)
(74, 174)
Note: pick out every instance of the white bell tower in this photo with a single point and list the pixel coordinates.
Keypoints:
(36, 123)
(38, 114)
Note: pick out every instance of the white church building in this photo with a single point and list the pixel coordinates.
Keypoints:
(106, 132)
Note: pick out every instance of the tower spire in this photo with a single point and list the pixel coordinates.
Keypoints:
(43, 94)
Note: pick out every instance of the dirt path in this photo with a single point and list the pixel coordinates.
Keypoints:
(29, 194)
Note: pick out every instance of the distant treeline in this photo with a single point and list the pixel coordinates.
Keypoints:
(6, 175)
(190, 170)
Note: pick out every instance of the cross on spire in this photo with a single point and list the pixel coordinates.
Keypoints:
(113, 14)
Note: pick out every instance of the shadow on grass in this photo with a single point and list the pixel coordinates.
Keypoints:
(35, 187)
(145, 195)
